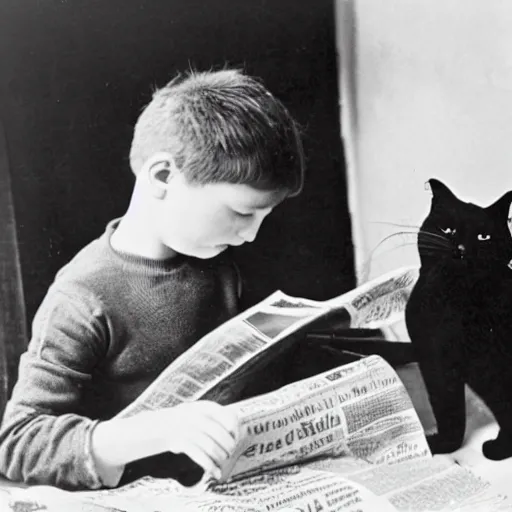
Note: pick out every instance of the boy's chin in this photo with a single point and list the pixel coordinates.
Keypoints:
(205, 253)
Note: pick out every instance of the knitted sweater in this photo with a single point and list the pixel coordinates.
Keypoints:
(108, 326)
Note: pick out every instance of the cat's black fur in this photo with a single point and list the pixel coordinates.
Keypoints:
(459, 315)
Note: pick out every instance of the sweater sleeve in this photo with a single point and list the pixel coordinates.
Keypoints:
(43, 440)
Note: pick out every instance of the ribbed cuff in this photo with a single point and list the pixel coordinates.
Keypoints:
(95, 481)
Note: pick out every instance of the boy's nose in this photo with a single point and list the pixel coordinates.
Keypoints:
(248, 233)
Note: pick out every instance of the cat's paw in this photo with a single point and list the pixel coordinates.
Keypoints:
(440, 444)
(498, 449)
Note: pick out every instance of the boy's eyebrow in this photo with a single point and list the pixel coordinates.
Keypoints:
(260, 203)
(265, 205)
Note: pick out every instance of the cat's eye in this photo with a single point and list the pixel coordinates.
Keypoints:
(483, 238)
(448, 231)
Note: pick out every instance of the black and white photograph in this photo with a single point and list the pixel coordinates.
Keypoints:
(255, 255)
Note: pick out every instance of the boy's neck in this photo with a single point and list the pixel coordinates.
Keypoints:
(133, 237)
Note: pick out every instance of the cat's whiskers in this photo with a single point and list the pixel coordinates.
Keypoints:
(395, 224)
(447, 245)
(392, 235)
(429, 244)
(417, 231)
(366, 266)
(431, 251)
(403, 234)
(427, 236)
(434, 249)
(435, 236)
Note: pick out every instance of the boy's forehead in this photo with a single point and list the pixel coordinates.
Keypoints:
(254, 198)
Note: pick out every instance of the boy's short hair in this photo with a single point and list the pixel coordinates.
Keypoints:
(222, 126)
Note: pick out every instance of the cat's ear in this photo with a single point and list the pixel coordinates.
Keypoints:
(500, 208)
(440, 190)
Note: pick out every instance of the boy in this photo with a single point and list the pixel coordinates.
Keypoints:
(213, 154)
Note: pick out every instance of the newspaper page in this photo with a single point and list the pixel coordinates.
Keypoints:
(359, 415)
(429, 484)
(217, 366)
(424, 485)
(49, 499)
(361, 410)
(355, 445)
(223, 351)
(293, 488)
(346, 440)
(378, 302)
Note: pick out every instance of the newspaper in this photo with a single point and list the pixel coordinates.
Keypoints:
(361, 410)
(423, 485)
(218, 366)
(348, 440)
(428, 485)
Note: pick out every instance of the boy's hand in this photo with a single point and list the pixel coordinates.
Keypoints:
(205, 431)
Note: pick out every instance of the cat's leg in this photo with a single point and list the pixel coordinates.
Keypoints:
(445, 388)
(435, 332)
(442, 373)
(499, 448)
(490, 377)
(501, 406)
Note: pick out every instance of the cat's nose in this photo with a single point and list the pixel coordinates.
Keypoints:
(461, 249)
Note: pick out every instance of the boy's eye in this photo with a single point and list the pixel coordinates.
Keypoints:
(448, 231)
(246, 215)
(483, 238)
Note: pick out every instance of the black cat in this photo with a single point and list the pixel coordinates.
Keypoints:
(459, 315)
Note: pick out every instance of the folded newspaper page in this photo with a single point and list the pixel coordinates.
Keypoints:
(347, 440)
(219, 364)
(360, 410)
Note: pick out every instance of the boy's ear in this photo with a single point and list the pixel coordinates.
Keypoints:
(160, 169)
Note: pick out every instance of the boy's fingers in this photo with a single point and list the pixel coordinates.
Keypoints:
(218, 451)
(224, 416)
(200, 457)
(213, 427)
(214, 440)
(229, 424)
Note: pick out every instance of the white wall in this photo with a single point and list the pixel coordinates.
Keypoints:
(426, 92)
